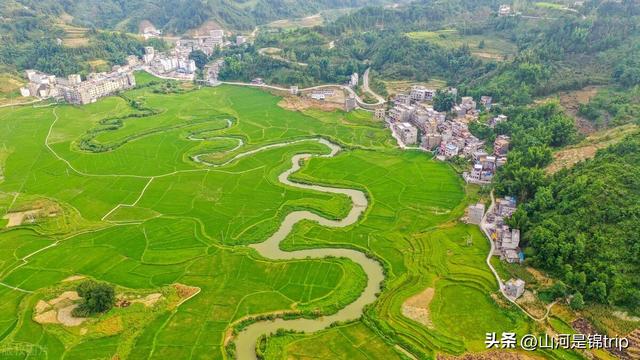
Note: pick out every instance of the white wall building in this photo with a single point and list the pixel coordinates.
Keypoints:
(406, 132)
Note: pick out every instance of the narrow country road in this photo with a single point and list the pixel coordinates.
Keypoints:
(359, 101)
(366, 88)
(485, 230)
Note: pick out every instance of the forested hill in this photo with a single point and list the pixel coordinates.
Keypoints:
(178, 16)
(418, 15)
(559, 48)
(585, 225)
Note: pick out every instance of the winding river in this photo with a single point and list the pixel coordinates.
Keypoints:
(247, 339)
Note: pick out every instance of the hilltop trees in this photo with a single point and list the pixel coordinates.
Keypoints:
(98, 297)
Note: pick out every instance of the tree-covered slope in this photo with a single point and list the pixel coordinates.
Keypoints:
(585, 225)
(178, 16)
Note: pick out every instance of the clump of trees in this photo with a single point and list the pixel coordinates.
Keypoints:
(444, 101)
(97, 297)
(534, 133)
(200, 58)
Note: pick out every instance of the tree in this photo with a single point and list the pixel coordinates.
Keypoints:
(443, 101)
(481, 44)
(558, 290)
(200, 58)
(98, 297)
(577, 302)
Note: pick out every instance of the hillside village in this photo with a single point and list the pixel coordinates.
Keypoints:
(415, 124)
(175, 64)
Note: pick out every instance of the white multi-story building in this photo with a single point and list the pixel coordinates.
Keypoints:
(476, 213)
(406, 132)
(354, 80)
(514, 288)
(99, 85)
(149, 54)
(401, 113)
(420, 93)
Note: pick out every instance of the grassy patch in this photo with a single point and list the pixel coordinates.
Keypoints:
(490, 46)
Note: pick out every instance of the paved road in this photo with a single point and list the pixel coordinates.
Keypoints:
(359, 101)
(365, 87)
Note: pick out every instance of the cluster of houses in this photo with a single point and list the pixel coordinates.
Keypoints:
(76, 91)
(506, 240)
(414, 122)
(176, 63)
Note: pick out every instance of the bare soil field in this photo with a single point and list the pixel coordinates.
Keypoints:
(300, 103)
(587, 148)
(417, 307)
(18, 218)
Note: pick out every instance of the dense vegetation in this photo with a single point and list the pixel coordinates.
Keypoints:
(30, 39)
(97, 297)
(583, 225)
(613, 107)
(535, 132)
(569, 52)
(305, 57)
(178, 16)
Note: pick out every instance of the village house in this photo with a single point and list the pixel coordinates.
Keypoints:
(504, 10)
(401, 113)
(450, 150)
(406, 132)
(150, 32)
(514, 288)
(241, 40)
(506, 206)
(501, 145)
(402, 99)
(496, 120)
(350, 103)
(420, 93)
(212, 70)
(486, 101)
(353, 82)
(380, 113)
(431, 141)
(476, 213)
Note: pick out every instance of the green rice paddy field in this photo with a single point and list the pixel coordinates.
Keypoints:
(143, 215)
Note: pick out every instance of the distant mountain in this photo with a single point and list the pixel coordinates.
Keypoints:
(178, 16)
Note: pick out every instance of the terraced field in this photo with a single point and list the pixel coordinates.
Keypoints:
(149, 190)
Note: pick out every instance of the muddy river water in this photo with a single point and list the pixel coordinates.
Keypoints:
(246, 340)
